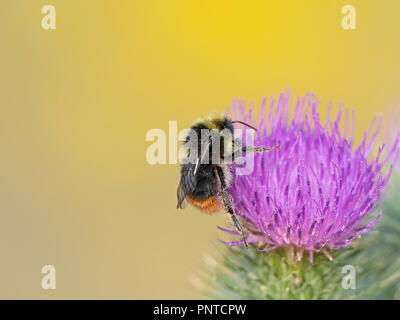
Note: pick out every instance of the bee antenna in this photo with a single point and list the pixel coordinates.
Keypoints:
(244, 123)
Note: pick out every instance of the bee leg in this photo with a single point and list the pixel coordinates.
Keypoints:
(258, 149)
(228, 206)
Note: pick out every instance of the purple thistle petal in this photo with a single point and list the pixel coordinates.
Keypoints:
(267, 249)
(235, 232)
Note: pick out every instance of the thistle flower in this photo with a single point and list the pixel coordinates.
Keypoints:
(314, 193)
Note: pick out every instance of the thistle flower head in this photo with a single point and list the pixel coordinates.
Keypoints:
(316, 192)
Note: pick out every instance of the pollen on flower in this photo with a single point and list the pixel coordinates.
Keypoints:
(316, 192)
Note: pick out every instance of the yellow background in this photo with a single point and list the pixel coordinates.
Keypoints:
(76, 103)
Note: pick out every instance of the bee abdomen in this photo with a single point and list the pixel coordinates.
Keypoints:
(209, 205)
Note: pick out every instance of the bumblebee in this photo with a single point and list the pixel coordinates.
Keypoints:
(206, 172)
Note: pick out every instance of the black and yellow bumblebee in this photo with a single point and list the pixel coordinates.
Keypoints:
(206, 175)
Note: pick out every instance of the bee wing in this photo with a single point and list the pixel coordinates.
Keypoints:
(187, 184)
(188, 177)
(182, 201)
